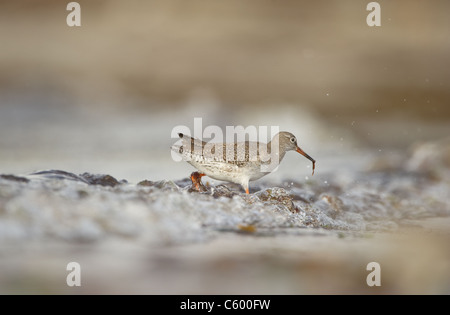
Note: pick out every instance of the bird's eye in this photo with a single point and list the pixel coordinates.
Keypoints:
(293, 140)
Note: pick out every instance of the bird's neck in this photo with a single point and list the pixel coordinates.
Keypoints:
(274, 146)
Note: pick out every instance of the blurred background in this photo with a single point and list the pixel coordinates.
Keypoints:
(104, 97)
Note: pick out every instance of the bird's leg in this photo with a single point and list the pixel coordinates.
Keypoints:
(196, 179)
(245, 186)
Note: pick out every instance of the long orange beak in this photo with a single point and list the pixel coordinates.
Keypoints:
(308, 157)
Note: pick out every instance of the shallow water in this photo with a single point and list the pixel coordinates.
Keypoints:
(285, 237)
(144, 224)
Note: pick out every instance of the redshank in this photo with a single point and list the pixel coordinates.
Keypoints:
(238, 162)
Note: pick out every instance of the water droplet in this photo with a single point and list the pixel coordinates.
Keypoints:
(325, 182)
(306, 177)
(328, 94)
(379, 150)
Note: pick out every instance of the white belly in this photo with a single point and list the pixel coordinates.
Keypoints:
(230, 172)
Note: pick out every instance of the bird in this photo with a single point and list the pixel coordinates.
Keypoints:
(236, 162)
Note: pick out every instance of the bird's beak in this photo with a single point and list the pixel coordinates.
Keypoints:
(308, 157)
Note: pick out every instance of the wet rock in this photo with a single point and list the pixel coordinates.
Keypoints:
(73, 209)
(87, 178)
(100, 179)
(183, 182)
(306, 196)
(58, 174)
(146, 183)
(14, 178)
(201, 189)
(223, 191)
(166, 184)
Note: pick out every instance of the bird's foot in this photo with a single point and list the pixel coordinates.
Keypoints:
(196, 179)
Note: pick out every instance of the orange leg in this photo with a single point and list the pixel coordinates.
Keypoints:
(246, 191)
(196, 179)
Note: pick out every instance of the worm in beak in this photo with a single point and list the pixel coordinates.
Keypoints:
(308, 157)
